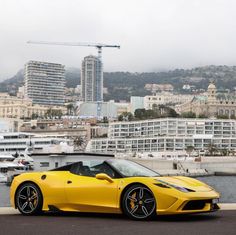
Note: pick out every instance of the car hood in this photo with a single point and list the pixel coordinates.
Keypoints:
(185, 182)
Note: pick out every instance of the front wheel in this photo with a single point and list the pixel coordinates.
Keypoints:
(29, 199)
(139, 203)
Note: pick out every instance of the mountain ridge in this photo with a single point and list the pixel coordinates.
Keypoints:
(122, 85)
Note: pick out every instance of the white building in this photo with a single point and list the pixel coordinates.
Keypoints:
(45, 83)
(136, 102)
(19, 142)
(166, 134)
(92, 79)
(110, 109)
(89, 109)
(159, 87)
(165, 98)
(10, 124)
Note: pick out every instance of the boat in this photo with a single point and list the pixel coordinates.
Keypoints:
(9, 168)
(15, 143)
(3, 178)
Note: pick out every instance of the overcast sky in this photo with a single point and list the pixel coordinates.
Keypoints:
(154, 34)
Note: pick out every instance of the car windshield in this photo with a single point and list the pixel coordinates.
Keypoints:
(131, 169)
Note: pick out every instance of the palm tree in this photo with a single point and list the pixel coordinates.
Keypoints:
(70, 109)
(80, 142)
(189, 150)
(212, 149)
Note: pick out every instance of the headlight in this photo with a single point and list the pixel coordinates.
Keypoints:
(164, 184)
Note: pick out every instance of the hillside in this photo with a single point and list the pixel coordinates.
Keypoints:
(121, 85)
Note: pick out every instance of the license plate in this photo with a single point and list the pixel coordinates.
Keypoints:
(215, 200)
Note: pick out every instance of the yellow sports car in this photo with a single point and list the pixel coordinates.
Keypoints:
(110, 186)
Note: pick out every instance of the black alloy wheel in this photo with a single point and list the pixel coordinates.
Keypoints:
(29, 200)
(139, 203)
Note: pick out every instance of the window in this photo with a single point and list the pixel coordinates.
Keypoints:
(92, 168)
(44, 164)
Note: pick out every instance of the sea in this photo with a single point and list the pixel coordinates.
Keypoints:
(225, 185)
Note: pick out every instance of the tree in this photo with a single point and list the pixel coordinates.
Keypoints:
(189, 150)
(188, 115)
(80, 142)
(105, 120)
(34, 116)
(53, 113)
(70, 109)
(171, 112)
(120, 118)
(212, 149)
(224, 152)
(222, 116)
(202, 115)
(139, 113)
(142, 114)
(126, 116)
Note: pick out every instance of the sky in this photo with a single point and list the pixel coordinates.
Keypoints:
(154, 35)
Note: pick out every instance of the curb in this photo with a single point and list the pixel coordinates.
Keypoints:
(227, 206)
(12, 211)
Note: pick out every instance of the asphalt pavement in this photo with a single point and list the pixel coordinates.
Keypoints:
(220, 222)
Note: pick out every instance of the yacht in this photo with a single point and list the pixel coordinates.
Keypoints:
(9, 166)
(18, 142)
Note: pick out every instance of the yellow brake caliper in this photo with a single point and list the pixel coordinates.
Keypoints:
(132, 200)
(35, 199)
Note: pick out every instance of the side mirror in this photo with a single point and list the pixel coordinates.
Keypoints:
(103, 176)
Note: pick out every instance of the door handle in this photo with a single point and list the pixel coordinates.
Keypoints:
(69, 182)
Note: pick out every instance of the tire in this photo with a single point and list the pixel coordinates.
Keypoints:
(29, 200)
(138, 202)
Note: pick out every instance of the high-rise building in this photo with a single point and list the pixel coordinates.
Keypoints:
(92, 79)
(45, 83)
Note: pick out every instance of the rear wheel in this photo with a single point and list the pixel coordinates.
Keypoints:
(139, 203)
(29, 200)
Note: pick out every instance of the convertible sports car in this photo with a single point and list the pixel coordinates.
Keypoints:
(110, 186)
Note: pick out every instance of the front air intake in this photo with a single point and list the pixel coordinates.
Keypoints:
(195, 205)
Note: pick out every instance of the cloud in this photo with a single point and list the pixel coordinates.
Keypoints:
(153, 34)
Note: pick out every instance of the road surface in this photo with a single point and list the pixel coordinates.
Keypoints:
(221, 222)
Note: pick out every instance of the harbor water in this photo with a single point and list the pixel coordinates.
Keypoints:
(225, 185)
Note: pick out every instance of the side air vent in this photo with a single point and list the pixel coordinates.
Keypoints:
(162, 185)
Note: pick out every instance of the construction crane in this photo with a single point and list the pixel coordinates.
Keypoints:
(99, 46)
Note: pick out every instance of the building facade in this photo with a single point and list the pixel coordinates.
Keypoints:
(110, 109)
(45, 83)
(166, 134)
(210, 105)
(14, 107)
(165, 98)
(136, 102)
(92, 79)
(159, 87)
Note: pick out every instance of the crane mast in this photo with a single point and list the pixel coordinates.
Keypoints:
(99, 46)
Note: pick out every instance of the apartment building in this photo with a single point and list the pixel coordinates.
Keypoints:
(166, 134)
(45, 83)
(92, 79)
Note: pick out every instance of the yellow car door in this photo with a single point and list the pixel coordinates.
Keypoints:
(89, 194)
